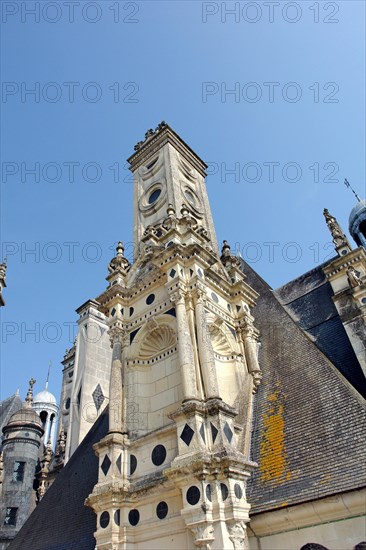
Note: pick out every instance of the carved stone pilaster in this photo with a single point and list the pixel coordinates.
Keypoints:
(119, 341)
(185, 351)
(250, 339)
(205, 349)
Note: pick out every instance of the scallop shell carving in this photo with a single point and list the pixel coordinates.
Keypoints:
(158, 340)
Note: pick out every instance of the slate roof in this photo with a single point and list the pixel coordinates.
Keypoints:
(309, 422)
(61, 521)
(308, 299)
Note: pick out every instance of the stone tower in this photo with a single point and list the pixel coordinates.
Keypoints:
(184, 369)
(85, 385)
(22, 439)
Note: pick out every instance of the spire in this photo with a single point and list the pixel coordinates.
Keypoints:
(29, 397)
(348, 185)
(339, 238)
(48, 374)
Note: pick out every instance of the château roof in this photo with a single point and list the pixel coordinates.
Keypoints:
(308, 427)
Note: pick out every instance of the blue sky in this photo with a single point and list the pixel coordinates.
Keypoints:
(291, 130)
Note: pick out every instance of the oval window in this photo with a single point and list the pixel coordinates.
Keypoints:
(153, 197)
(190, 197)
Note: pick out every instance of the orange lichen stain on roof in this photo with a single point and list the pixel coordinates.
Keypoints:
(272, 461)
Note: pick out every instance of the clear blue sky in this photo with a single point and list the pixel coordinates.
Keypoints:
(151, 61)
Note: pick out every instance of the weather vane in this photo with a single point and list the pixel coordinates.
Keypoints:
(347, 184)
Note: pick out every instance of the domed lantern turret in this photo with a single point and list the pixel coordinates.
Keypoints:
(46, 407)
(357, 223)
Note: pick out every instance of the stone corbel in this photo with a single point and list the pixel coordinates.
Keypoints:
(203, 535)
(238, 535)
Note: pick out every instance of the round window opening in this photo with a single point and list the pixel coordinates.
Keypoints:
(158, 455)
(153, 197)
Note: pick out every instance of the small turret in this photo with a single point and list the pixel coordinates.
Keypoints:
(357, 223)
(22, 439)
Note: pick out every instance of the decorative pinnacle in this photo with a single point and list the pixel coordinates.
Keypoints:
(119, 262)
(29, 397)
(339, 238)
(226, 250)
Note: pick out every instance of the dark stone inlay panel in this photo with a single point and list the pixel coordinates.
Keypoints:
(117, 517)
(104, 520)
(187, 435)
(228, 432)
(134, 517)
(202, 433)
(214, 432)
(133, 464)
(158, 455)
(224, 491)
(162, 510)
(193, 495)
(106, 464)
(238, 491)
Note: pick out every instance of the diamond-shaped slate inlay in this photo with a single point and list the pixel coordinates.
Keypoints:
(187, 435)
(214, 432)
(172, 273)
(228, 432)
(118, 462)
(106, 464)
(98, 397)
(202, 433)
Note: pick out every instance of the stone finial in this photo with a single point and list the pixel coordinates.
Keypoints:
(338, 236)
(119, 262)
(170, 210)
(29, 397)
(227, 257)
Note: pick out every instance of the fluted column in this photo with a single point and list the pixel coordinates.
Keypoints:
(185, 351)
(117, 418)
(205, 349)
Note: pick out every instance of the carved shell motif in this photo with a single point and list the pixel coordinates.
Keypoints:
(156, 341)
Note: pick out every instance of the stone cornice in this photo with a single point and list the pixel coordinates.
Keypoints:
(332, 269)
(314, 512)
(158, 139)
